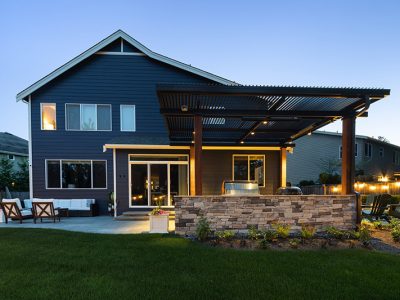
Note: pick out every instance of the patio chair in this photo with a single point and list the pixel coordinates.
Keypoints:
(13, 210)
(394, 210)
(377, 209)
(44, 209)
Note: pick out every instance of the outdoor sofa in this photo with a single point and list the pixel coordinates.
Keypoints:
(76, 207)
(12, 209)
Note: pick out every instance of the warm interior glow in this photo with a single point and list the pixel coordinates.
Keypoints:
(361, 185)
(335, 189)
(372, 187)
(397, 183)
(48, 116)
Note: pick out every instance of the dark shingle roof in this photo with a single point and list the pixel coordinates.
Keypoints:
(10, 143)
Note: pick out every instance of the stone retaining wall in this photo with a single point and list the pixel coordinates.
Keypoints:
(240, 212)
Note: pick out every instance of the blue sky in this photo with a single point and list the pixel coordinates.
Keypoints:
(307, 43)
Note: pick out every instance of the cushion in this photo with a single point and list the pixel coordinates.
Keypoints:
(42, 200)
(63, 203)
(15, 200)
(26, 212)
(28, 203)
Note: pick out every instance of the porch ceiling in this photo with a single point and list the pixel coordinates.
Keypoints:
(257, 115)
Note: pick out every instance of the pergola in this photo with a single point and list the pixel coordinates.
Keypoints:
(242, 116)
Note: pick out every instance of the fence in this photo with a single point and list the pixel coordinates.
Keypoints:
(364, 188)
(20, 195)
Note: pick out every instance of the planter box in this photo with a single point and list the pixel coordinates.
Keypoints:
(159, 224)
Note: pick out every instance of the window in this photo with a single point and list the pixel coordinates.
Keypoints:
(88, 117)
(11, 157)
(381, 152)
(76, 174)
(249, 167)
(396, 157)
(367, 150)
(128, 118)
(48, 116)
(341, 151)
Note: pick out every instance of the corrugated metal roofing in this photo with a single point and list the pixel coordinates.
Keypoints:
(236, 114)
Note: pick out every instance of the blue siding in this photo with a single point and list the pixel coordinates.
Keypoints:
(107, 79)
(113, 47)
(130, 48)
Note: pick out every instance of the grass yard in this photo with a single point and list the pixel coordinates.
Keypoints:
(50, 264)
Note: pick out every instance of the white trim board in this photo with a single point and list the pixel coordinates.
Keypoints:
(116, 35)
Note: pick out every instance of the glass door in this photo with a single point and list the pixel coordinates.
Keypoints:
(155, 182)
(159, 184)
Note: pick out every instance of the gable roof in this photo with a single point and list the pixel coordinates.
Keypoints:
(12, 144)
(116, 35)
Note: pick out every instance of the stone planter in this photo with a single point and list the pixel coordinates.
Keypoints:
(159, 223)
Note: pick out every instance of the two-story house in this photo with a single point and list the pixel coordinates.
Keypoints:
(13, 148)
(121, 118)
(322, 152)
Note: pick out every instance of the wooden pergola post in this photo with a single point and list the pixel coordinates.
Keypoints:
(282, 169)
(348, 154)
(196, 152)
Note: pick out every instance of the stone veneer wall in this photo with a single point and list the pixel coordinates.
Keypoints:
(240, 212)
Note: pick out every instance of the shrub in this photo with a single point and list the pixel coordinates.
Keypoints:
(263, 244)
(306, 182)
(253, 233)
(225, 235)
(282, 230)
(294, 243)
(364, 234)
(337, 233)
(377, 224)
(269, 235)
(307, 232)
(203, 229)
(396, 233)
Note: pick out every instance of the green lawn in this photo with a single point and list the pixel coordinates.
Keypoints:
(49, 264)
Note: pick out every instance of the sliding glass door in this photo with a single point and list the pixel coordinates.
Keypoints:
(155, 180)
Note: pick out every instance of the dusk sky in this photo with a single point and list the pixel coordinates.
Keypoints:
(305, 43)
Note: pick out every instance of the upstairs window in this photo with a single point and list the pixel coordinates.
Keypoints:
(381, 152)
(341, 151)
(48, 116)
(249, 167)
(88, 117)
(367, 150)
(128, 118)
(396, 157)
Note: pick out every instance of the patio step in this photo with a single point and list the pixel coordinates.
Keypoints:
(139, 216)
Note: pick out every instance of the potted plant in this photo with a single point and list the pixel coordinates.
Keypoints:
(111, 203)
(159, 220)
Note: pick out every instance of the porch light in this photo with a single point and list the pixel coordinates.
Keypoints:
(335, 189)
(184, 108)
(252, 133)
(242, 142)
(265, 122)
(397, 183)
(372, 187)
(309, 133)
(361, 185)
(385, 187)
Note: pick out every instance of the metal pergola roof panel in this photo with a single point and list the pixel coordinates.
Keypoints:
(257, 115)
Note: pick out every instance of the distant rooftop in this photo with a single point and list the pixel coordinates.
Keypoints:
(364, 137)
(12, 144)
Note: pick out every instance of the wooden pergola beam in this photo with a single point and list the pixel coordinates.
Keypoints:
(196, 153)
(348, 154)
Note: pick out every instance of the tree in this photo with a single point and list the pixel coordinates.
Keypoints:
(383, 139)
(326, 178)
(7, 176)
(22, 176)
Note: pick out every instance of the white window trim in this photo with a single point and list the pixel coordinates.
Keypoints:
(370, 150)
(248, 166)
(120, 117)
(91, 170)
(41, 115)
(149, 163)
(80, 117)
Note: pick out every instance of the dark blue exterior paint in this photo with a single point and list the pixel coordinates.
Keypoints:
(107, 79)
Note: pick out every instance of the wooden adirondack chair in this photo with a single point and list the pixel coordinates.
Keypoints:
(377, 209)
(44, 210)
(11, 210)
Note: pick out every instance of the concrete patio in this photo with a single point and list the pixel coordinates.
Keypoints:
(101, 224)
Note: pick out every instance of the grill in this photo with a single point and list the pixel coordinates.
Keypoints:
(241, 187)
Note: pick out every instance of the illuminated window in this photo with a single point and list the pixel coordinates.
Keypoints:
(48, 115)
(249, 167)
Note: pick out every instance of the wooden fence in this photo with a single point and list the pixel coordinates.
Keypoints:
(364, 188)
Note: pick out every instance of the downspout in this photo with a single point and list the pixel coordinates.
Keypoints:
(30, 147)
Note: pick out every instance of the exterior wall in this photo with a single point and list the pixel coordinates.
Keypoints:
(18, 159)
(312, 153)
(239, 213)
(101, 79)
(217, 167)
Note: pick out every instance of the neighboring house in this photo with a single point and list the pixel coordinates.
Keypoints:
(13, 148)
(121, 118)
(322, 152)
